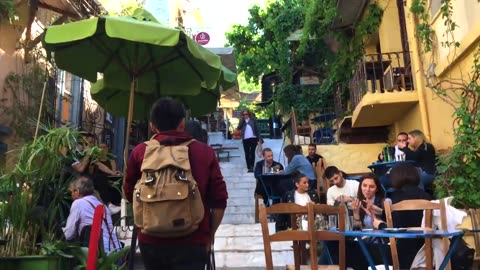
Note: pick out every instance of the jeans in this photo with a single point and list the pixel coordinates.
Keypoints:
(249, 146)
(426, 179)
(171, 257)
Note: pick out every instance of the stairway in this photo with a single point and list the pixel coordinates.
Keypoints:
(238, 241)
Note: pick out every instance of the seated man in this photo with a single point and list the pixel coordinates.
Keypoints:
(393, 152)
(81, 214)
(313, 157)
(342, 189)
(265, 166)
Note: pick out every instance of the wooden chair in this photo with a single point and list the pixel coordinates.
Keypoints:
(288, 235)
(428, 207)
(475, 215)
(323, 209)
(322, 184)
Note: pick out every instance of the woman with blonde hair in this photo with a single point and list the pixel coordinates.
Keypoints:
(423, 153)
(250, 134)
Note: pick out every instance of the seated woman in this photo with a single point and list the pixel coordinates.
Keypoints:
(301, 195)
(423, 154)
(405, 180)
(370, 195)
(298, 163)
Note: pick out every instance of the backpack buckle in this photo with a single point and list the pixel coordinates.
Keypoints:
(150, 179)
(181, 176)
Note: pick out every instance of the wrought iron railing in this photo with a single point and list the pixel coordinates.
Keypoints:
(88, 7)
(380, 73)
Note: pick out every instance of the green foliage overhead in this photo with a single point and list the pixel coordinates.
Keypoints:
(245, 86)
(7, 11)
(261, 45)
(261, 48)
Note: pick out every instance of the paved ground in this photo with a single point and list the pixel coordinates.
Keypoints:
(239, 243)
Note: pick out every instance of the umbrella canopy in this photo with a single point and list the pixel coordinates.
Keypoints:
(115, 101)
(134, 50)
(135, 47)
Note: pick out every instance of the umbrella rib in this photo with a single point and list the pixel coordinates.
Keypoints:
(190, 63)
(111, 55)
(147, 68)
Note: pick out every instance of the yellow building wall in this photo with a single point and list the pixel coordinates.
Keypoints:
(350, 158)
(389, 30)
(449, 64)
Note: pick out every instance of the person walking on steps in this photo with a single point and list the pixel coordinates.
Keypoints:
(250, 135)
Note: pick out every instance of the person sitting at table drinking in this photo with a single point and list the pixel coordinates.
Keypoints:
(394, 151)
(423, 154)
(267, 165)
(298, 163)
(342, 189)
(301, 195)
(370, 195)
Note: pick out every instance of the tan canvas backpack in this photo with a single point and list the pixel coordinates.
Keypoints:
(166, 200)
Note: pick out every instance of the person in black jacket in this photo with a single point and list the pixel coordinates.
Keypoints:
(301, 195)
(423, 154)
(265, 166)
(405, 180)
(250, 135)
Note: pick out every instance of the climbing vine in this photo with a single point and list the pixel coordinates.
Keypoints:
(459, 169)
(7, 11)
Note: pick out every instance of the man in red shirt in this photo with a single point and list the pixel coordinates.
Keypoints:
(191, 251)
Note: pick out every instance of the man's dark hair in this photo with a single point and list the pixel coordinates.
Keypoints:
(291, 148)
(402, 133)
(298, 149)
(84, 185)
(166, 114)
(313, 145)
(266, 150)
(330, 171)
(404, 174)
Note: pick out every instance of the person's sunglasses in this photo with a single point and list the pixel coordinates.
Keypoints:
(401, 140)
(245, 114)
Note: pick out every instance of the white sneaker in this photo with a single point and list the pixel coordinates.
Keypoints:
(114, 208)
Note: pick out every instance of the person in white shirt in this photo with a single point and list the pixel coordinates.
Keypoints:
(342, 189)
(250, 137)
(81, 214)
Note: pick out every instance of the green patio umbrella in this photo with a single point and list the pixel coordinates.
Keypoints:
(134, 52)
(115, 101)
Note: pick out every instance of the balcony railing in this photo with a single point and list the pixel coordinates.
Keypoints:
(380, 73)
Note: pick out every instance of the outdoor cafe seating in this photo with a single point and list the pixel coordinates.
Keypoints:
(313, 232)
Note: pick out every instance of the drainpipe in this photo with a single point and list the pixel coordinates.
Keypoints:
(420, 79)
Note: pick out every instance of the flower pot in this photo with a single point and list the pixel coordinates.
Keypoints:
(31, 262)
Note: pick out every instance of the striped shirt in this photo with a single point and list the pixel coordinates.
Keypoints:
(81, 215)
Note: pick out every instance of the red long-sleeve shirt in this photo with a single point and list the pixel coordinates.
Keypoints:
(205, 170)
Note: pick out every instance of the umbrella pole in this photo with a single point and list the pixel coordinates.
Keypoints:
(129, 125)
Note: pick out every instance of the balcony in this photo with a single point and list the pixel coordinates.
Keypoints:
(382, 89)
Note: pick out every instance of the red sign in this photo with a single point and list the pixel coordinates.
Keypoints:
(202, 38)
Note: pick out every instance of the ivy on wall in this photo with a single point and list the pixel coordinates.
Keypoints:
(459, 169)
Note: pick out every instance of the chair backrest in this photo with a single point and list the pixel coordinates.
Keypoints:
(475, 215)
(322, 183)
(294, 235)
(323, 209)
(427, 207)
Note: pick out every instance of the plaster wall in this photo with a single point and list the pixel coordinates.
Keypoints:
(351, 158)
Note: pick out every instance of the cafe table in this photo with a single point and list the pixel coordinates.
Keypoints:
(275, 185)
(456, 235)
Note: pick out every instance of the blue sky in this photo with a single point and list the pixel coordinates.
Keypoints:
(218, 16)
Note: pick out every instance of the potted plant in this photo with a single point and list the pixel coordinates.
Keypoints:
(34, 201)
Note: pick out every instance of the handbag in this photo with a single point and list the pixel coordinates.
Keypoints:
(462, 257)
